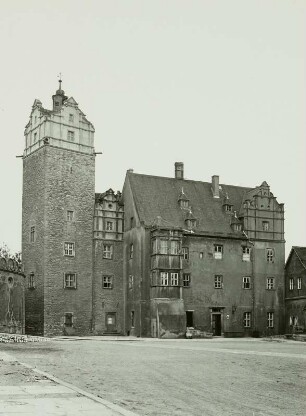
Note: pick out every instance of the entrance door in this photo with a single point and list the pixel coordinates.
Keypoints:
(111, 321)
(216, 324)
(189, 319)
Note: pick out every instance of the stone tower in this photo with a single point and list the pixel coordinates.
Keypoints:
(57, 218)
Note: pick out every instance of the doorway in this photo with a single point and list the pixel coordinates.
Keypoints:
(110, 321)
(189, 319)
(216, 324)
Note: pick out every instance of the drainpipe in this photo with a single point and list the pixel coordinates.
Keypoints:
(157, 320)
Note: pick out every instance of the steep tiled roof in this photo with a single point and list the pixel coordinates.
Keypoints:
(301, 254)
(158, 196)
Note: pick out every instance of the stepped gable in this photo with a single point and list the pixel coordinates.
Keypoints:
(158, 196)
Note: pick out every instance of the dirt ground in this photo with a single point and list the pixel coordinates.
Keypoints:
(186, 377)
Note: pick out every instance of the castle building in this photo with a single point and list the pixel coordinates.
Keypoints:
(166, 254)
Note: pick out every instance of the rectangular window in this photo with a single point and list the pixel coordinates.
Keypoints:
(131, 281)
(70, 280)
(131, 251)
(218, 252)
(174, 279)
(174, 247)
(299, 283)
(185, 253)
(31, 281)
(163, 247)
(70, 215)
(132, 319)
(186, 280)
(71, 118)
(246, 253)
(68, 319)
(32, 234)
(107, 251)
(70, 136)
(69, 249)
(131, 222)
(154, 246)
(109, 225)
(270, 319)
(291, 284)
(293, 320)
(265, 225)
(164, 279)
(270, 283)
(247, 319)
(35, 137)
(246, 282)
(107, 282)
(270, 255)
(201, 254)
(218, 282)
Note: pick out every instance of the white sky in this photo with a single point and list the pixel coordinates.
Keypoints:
(217, 84)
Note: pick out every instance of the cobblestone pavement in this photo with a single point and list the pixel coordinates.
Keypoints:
(241, 377)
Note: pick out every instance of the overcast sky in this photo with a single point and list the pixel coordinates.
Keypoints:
(216, 84)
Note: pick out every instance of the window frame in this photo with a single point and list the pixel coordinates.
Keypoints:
(131, 281)
(174, 247)
(247, 316)
(69, 249)
(70, 136)
(246, 253)
(186, 280)
(107, 281)
(131, 250)
(108, 254)
(174, 279)
(71, 118)
(218, 251)
(70, 215)
(265, 225)
(299, 283)
(291, 283)
(218, 281)
(31, 281)
(163, 246)
(246, 282)
(270, 255)
(270, 285)
(164, 278)
(70, 283)
(185, 253)
(109, 225)
(270, 319)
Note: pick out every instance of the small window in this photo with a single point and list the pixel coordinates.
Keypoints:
(132, 319)
(69, 249)
(174, 247)
(184, 203)
(109, 225)
(247, 319)
(246, 253)
(265, 225)
(35, 119)
(237, 227)
(131, 222)
(57, 104)
(186, 280)
(70, 215)
(163, 247)
(270, 283)
(131, 251)
(270, 255)
(71, 118)
(68, 319)
(107, 251)
(32, 234)
(154, 246)
(228, 208)
(293, 320)
(246, 282)
(70, 280)
(70, 136)
(185, 253)
(31, 281)
(291, 284)
(299, 283)
(218, 252)
(131, 281)
(35, 137)
(201, 254)
(174, 279)
(164, 279)
(107, 282)
(218, 282)
(270, 319)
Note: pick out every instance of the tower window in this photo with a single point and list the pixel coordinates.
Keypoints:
(270, 283)
(186, 280)
(185, 253)
(163, 247)
(32, 235)
(70, 215)
(131, 281)
(265, 225)
(218, 282)
(247, 319)
(108, 282)
(131, 251)
(109, 225)
(164, 279)
(107, 251)
(174, 247)
(31, 281)
(69, 249)
(246, 282)
(35, 137)
(218, 252)
(174, 279)
(71, 118)
(70, 280)
(270, 255)
(246, 253)
(70, 136)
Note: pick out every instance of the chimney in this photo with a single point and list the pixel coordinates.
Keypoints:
(179, 170)
(215, 186)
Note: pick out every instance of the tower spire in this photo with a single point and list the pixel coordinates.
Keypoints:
(59, 98)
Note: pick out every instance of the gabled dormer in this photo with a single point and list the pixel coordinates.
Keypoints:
(236, 224)
(183, 200)
(190, 220)
(227, 205)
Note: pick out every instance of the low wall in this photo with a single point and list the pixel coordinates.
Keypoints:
(12, 287)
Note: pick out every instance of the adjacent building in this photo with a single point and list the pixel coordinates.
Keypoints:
(295, 290)
(166, 254)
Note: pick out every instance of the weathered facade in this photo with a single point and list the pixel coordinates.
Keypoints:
(202, 255)
(12, 292)
(295, 290)
(167, 254)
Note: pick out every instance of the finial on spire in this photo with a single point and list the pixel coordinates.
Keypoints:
(60, 80)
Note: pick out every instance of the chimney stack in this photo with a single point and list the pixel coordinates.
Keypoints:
(215, 186)
(179, 170)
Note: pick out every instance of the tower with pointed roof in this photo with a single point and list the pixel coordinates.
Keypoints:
(57, 217)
